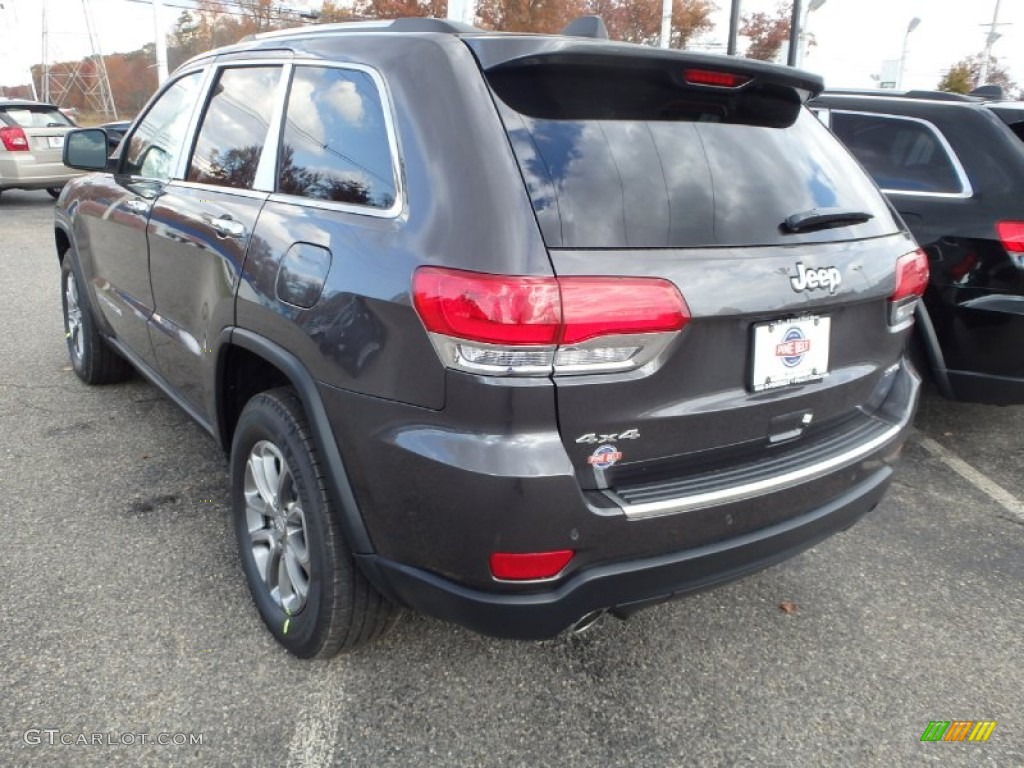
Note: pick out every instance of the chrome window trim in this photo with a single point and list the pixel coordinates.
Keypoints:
(967, 190)
(759, 487)
(387, 109)
(256, 194)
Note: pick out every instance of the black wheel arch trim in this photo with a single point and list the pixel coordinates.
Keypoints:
(929, 339)
(337, 477)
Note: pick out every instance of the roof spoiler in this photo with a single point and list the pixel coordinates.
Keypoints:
(993, 92)
(587, 26)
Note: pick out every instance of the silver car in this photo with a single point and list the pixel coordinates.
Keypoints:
(31, 142)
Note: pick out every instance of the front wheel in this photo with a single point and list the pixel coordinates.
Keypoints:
(54, 192)
(309, 591)
(92, 359)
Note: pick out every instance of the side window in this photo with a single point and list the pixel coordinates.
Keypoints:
(901, 155)
(156, 143)
(234, 127)
(335, 144)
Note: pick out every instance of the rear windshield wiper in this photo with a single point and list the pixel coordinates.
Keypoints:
(823, 218)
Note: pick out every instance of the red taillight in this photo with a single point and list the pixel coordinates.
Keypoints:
(490, 308)
(911, 275)
(1011, 234)
(520, 566)
(525, 326)
(712, 77)
(605, 306)
(911, 281)
(14, 139)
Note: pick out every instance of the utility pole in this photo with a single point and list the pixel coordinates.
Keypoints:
(734, 27)
(989, 40)
(44, 69)
(161, 42)
(666, 23)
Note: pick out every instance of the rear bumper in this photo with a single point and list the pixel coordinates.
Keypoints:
(542, 615)
(21, 171)
(432, 555)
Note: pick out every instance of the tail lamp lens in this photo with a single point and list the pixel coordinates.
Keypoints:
(911, 282)
(1011, 235)
(521, 566)
(511, 325)
(14, 139)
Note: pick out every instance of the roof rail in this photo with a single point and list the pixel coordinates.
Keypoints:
(913, 94)
(586, 26)
(407, 24)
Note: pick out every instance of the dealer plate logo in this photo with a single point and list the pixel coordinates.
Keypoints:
(604, 457)
(792, 348)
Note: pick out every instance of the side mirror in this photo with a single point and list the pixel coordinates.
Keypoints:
(86, 149)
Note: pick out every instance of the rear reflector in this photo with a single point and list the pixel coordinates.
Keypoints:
(528, 326)
(712, 77)
(520, 566)
(1011, 234)
(14, 139)
(911, 282)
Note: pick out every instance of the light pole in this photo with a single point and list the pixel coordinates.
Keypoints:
(802, 49)
(906, 41)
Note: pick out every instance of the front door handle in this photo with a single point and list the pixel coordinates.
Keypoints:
(137, 206)
(225, 226)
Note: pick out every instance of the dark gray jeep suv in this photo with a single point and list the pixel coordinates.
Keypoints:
(509, 329)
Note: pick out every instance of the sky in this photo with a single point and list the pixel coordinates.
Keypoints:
(853, 37)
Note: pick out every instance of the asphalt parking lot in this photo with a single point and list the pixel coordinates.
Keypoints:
(126, 614)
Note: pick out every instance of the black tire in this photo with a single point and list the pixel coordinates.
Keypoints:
(54, 192)
(340, 609)
(92, 358)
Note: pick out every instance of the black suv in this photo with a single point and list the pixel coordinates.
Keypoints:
(509, 329)
(953, 166)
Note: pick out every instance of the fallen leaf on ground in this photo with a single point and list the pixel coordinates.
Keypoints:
(787, 607)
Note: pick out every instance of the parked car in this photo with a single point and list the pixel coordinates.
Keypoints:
(115, 132)
(31, 141)
(953, 166)
(508, 329)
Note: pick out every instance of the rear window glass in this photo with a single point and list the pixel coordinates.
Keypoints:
(35, 117)
(633, 165)
(901, 154)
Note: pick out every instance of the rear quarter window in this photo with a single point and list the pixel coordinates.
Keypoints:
(335, 144)
(902, 154)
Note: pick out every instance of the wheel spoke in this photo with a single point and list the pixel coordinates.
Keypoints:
(265, 553)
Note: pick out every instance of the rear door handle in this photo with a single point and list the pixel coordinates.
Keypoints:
(228, 227)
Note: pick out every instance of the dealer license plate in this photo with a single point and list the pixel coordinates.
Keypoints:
(790, 352)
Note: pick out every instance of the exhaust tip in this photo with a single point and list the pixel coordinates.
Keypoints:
(585, 622)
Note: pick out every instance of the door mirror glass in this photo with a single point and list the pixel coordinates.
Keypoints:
(86, 149)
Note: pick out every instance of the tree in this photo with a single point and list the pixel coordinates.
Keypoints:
(394, 9)
(767, 31)
(528, 15)
(639, 21)
(963, 76)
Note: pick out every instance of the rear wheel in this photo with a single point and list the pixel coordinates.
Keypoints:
(92, 359)
(309, 591)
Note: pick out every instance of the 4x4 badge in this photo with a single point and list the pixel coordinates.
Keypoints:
(809, 279)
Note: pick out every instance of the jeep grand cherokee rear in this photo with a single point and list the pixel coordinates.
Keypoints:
(525, 328)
